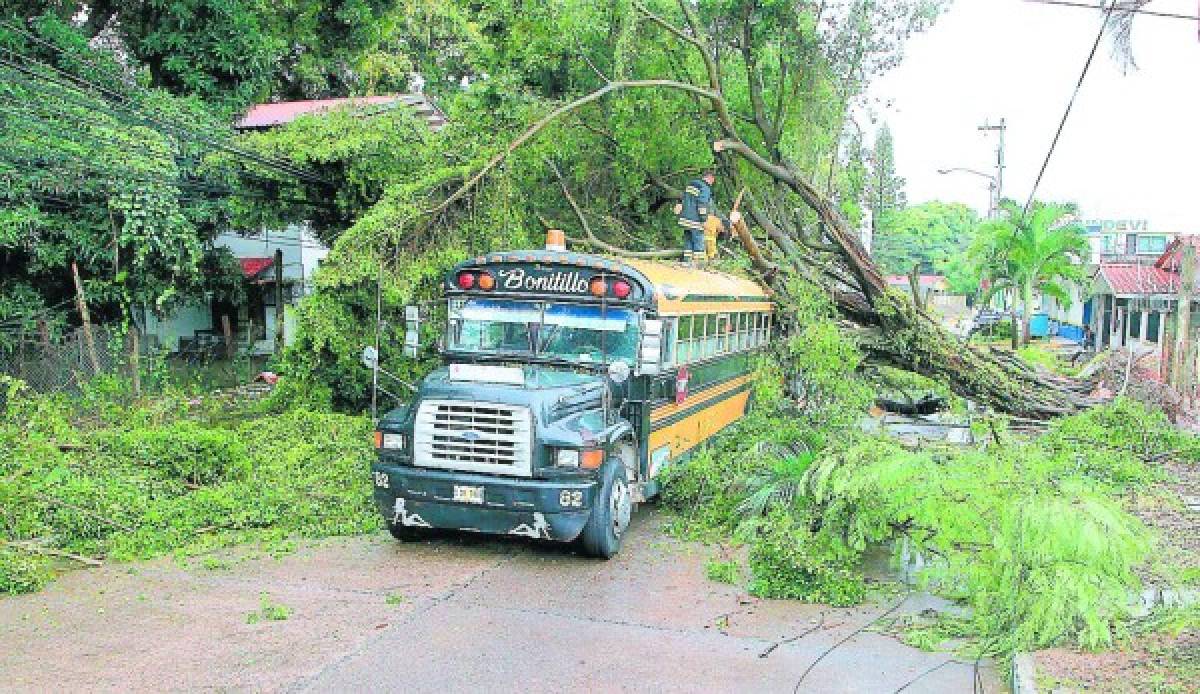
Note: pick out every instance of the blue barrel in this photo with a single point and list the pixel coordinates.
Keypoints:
(1039, 325)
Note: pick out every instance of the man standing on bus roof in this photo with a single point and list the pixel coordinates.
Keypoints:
(695, 210)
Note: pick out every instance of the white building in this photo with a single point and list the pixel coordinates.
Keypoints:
(252, 323)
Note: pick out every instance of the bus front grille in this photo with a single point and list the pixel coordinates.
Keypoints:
(474, 437)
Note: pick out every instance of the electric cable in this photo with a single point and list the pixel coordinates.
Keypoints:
(279, 164)
(135, 111)
(1070, 104)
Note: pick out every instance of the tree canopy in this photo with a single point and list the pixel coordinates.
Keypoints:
(932, 236)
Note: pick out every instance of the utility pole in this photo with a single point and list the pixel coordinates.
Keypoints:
(998, 193)
(1180, 362)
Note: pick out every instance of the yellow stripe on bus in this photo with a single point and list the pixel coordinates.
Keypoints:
(686, 434)
(697, 397)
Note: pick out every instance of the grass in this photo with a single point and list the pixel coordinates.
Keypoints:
(268, 611)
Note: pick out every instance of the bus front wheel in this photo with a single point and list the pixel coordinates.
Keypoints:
(601, 537)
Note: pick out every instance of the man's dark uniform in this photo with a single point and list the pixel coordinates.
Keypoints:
(697, 199)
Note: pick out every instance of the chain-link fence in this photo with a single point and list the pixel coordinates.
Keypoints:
(62, 365)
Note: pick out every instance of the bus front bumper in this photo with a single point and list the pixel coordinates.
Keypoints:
(425, 498)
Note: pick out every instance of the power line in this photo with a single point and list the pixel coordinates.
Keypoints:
(1129, 10)
(125, 103)
(273, 242)
(1070, 104)
(45, 125)
(85, 167)
(278, 163)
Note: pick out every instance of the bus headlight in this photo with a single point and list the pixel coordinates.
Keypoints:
(588, 458)
(391, 441)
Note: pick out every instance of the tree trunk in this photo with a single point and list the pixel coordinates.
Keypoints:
(1027, 307)
(1012, 319)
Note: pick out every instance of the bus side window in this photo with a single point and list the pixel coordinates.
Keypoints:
(722, 333)
(741, 343)
(762, 330)
(710, 335)
(668, 342)
(755, 324)
(684, 342)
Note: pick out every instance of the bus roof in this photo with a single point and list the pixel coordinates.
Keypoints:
(680, 288)
(673, 288)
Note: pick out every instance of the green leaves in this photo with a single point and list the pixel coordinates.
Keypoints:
(1033, 536)
(152, 482)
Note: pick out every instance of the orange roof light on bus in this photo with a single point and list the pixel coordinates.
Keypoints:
(599, 287)
(486, 281)
(556, 240)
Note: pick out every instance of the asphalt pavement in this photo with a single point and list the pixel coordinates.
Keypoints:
(455, 614)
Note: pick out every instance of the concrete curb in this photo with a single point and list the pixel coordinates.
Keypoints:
(1023, 674)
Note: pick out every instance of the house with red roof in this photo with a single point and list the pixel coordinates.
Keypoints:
(276, 263)
(938, 284)
(1134, 304)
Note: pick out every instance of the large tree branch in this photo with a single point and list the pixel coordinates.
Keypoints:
(754, 82)
(710, 63)
(590, 237)
(559, 112)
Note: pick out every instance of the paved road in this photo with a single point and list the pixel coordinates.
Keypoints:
(370, 614)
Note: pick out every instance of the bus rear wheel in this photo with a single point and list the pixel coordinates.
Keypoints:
(611, 510)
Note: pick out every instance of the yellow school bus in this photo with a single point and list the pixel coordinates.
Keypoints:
(570, 382)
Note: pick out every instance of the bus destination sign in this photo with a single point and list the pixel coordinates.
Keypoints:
(557, 281)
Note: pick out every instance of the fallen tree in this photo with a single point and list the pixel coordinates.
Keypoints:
(814, 241)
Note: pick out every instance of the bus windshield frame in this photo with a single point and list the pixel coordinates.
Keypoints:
(538, 330)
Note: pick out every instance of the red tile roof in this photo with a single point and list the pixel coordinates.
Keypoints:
(269, 115)
(253, 267)
(1126, 279)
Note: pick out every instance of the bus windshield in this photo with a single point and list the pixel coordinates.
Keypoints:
(576, 333)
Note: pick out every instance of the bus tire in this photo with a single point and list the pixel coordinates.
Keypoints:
(601, 537)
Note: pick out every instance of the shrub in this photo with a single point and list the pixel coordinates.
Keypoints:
(21, 572)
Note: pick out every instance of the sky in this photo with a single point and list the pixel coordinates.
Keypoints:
(1130, 149)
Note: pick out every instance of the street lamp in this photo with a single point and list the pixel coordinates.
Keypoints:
(993, 187)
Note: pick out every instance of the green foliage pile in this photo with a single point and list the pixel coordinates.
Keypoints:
(1044, 357)
(136, 482)
(1031, 534)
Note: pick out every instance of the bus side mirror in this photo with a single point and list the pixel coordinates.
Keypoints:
(650, 358)
(412, 331)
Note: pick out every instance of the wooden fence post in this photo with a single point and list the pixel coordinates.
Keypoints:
(81, 300)
(279, 312)
(135, 361)
(227, 330)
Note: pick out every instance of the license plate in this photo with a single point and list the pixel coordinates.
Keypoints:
(468, 495)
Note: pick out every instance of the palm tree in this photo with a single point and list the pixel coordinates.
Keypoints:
(1029, 250)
